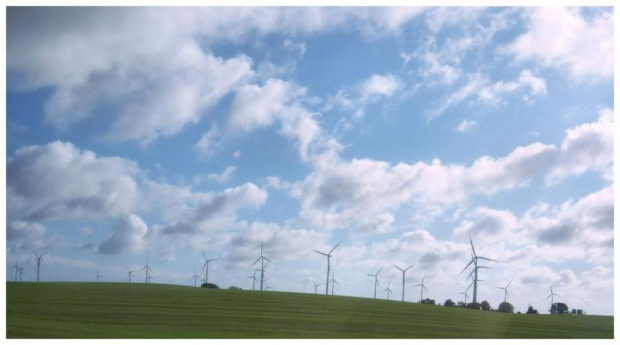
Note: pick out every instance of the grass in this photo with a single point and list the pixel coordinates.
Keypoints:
(117, 310)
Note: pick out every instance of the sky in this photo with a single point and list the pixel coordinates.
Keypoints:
(399, 132)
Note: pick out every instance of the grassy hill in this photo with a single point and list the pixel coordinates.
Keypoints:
(117, 310)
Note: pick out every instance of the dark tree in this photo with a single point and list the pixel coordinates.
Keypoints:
(559, 308)
(485, 305)
(449, 303)
(474, 305)
(234, 288)
(531, 310)
(209, 286)
(506, 307)
(461, 305)
(428, 301)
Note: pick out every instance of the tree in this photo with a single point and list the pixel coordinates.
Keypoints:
(461, 304)
(531, 310)
(485, 305)
(428, 301)
(474, 305)
(235, 288)
(558, 308)
(506, 307)
(449, 303)
(209, 286)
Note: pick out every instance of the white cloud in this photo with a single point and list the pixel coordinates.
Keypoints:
(379, 85)
(128, 237)
(218, 212)
(465, 126)
(586, 147)
(59, 181)
(563, 38)
(209, 142)
(220, 178)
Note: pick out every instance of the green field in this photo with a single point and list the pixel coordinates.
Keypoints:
(117, 310)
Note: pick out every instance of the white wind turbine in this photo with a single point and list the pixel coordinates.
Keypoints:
(388, 291)
(98, 277)
(376, 275)
(315, 286)
(195, 277)
(206, 265)
(404, 271)
(474, 260)
(129, 272)
(551, 295)
(262, 260)
(253, 277)
(16, 267)
(147, 270)
(333, 281)
(505, 290)
(328, 255)
(465, 293)
(21, 271)
(422, 288)
(39, 259)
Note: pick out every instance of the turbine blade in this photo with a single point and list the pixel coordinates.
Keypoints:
(409, 267)
(400, 269)
(203, 254)
(508, 284)
(256, 261)
(379, 271)
(472, 261)
(334, 247)
(269, 261)
(424, 287)
(472, 245)
(320, 252)
(483, 258)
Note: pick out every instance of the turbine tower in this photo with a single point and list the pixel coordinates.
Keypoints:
(262, 259)
(195, 276)
(333, 281)
(551, 295)
(328, 255)
(146, 270)
(376, 280)
(315, 286)
(388, 291)
(422, 288)
(98, 277)
(474, 260)
(129, 272)
(206, 265)
(21, 271)
(465, 293)
(253, 277)
(16, 267)
(39, 258)
(404, 271)
(505, 290)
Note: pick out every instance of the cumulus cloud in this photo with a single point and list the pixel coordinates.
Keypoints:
(220, 178)
(128, 237)
(60, 181)
(567, 39)
(366, 92)
(218, 211)
(342, 193)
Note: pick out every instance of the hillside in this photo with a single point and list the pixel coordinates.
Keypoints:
(117, 310)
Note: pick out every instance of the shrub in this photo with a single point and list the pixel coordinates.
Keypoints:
(209, 286)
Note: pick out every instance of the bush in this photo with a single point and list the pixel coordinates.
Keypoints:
(209, 286)
(506, 307)
(428, 301)
(234, 288)
(449, 303)
(474, 305)
(485, 305)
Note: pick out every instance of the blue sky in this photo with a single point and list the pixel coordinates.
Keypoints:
(398, 131)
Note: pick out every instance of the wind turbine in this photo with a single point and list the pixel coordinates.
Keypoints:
(98, 277)
(147, 269)
(404, 271)
(315, 286)
(388, 291)
(151, 277)
(505, 290)
(474, 260)
(16, 267)
(376, 280)
(333, 281)
(422, 288)
(21, 271)
(129, 272)
(253, 277)
(262, 259)
(206, 265)
(195, 276)
(328, 255)
(465, 293)
(39, 258)
(551, 295)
